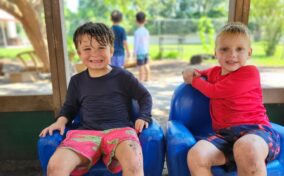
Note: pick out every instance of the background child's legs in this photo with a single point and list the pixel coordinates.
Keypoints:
(129, 155)
(250, 152)
(202, 156)
(147, 72)
(141, 73)
(64, 161)
(146, 68)
(143, 67)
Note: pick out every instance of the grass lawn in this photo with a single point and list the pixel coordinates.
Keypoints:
(11, 53)
(258, 56)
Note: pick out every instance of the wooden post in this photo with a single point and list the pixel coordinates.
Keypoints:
(59, 63)
(239, 11)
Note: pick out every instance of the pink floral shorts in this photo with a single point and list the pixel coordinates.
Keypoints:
(94, 144)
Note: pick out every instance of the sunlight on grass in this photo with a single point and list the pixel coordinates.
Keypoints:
(258, 56)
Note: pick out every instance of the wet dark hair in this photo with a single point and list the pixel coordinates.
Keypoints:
(140, 17)
(99, 31)
(116, 16)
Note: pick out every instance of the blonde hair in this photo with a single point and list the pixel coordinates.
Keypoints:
(234, 28)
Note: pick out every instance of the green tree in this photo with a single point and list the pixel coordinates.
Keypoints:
(100, 10)
(199, 8)
(268, 17)
(206, 33)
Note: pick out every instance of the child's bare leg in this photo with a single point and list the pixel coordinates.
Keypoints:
(129, 155)
(147, 72)
(202, 156)
(63, 162)
(141, 72)
(250, 152)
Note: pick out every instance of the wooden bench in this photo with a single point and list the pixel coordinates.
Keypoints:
(1, 69)
(130, 63)
(32, 67)
(30, 61)
(171, 42)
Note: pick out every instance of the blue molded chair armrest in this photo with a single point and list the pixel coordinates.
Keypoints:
(280, 130)
(179, 141)
(153, 142)
(47, 146)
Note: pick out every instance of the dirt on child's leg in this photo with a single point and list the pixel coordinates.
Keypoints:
(129, 155)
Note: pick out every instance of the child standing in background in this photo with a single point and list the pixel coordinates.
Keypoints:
(141, 47)
(120, 41)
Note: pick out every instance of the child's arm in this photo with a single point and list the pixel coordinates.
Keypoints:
(135, 44)
(58, 125)
(68, 111)
(243, 80)
(137, 91)
(126, 48)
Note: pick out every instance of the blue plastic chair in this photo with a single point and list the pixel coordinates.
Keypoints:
(189, 120)
(151, 139)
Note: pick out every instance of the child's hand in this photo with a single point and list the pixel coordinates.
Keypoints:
(196, 74)
(140, 124)
(58, 125)
(188, 74)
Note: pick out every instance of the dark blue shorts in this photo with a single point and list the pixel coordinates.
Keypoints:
(224, 140)
(142, 59)
(117, 61)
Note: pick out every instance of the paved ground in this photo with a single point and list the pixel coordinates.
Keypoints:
(166, 76)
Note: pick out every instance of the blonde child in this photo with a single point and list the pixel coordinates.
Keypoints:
(141, 47)
(243, 136)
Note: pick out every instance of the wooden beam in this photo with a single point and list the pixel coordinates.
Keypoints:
(59, 63)
(239, 11)
(273, 95)
(26, 103)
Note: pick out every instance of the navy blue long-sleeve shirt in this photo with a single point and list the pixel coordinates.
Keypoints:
(104, 102)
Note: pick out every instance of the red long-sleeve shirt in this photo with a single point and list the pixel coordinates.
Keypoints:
(235, 98)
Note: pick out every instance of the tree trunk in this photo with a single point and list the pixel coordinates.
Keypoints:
(25, 13)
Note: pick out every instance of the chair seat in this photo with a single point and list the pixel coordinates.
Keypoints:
(100, 169)
(190, 120)
(151, 139)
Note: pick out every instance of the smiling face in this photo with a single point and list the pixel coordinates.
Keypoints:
(232, 51)
(95, 56)
(94, 45)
